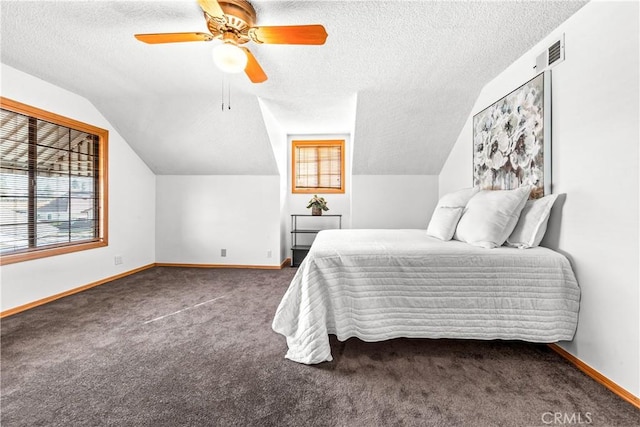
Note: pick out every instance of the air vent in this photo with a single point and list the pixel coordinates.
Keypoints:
(552, 56)
(554, 53)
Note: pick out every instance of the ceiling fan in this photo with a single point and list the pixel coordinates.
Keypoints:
(232, 21)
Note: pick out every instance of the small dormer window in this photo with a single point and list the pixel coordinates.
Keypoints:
(318, 166)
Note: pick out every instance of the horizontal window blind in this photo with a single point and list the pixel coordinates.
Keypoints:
(49, 184)
(318, 166)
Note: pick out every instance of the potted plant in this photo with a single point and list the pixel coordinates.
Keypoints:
(317, 205)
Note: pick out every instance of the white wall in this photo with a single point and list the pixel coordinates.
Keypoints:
(393, 201)
(131, 206)
(595, 137)
(197, 216)
(278, 141)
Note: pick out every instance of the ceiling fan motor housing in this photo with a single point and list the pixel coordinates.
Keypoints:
(240, 17)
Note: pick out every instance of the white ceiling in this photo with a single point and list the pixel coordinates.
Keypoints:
(416, 68)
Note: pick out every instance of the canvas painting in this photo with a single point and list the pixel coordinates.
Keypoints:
(511, 140)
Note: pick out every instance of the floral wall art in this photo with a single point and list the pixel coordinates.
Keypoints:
(512, 139)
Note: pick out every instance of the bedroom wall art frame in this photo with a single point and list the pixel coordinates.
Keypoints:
(512, 139)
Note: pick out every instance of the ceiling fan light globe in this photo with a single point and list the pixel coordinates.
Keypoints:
(229, 58)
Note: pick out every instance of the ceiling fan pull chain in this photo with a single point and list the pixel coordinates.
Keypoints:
(226, 83)
(222, 93)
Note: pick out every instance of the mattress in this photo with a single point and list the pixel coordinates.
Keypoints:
(381, 284)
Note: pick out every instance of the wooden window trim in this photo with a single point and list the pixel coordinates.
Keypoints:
(302, 143)
(103, 136)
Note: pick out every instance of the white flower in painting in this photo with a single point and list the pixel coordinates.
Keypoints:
(510, 123)
(498, 160)
(532, 122)
(531, 147)
(524, 151)
(492, 155)
(502, 141)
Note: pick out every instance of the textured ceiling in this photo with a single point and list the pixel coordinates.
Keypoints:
(416, 68)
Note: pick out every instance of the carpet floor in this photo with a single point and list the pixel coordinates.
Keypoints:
(194, 347)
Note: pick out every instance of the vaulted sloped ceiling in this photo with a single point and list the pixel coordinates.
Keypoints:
(416, 68)
(407, 131)
(180, 134)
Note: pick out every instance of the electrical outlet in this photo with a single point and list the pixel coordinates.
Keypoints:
(269, 254)
(117, 260)
(223, 252)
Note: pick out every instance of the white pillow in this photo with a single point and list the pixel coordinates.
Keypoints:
(448, 211)
(491, 216)
(444, 221)
(532, 224)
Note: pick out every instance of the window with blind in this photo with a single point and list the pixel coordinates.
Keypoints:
(52, 184)
(318, 166)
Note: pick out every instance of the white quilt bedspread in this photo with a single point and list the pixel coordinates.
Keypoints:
(381, 284)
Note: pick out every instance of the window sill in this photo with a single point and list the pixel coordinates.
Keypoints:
(43, 253)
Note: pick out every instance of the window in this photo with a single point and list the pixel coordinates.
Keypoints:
(318, 166)
(53, 184)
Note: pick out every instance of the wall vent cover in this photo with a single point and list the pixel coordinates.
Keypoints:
(552, 56)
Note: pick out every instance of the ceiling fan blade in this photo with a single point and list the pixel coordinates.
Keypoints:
(253, 70)
(174, 37)
(213, 9)
(292, 34)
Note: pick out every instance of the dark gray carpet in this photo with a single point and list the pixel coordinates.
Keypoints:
(107, 356)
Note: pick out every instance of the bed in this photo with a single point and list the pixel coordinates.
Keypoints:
(382, 284)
